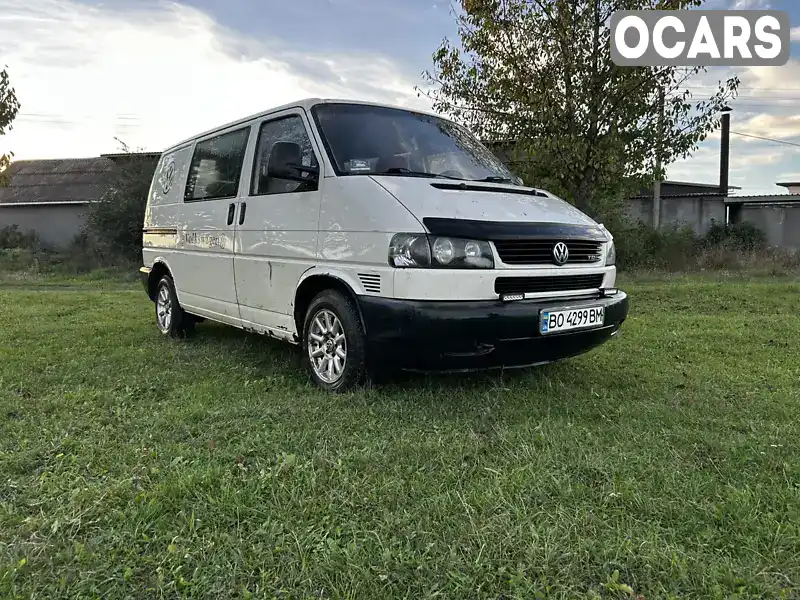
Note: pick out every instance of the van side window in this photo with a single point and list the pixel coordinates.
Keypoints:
(216, 167)
(280, 142)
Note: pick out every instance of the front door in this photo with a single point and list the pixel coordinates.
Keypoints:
(277, 227)
(203, 262)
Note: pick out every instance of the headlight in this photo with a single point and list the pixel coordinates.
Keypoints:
(419, 250)
(611, 254)
(410, 250)
(458, 253)
(443, 251)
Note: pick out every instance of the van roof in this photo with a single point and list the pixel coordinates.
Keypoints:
(305, 103)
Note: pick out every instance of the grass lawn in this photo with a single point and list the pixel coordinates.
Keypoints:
(664, 464)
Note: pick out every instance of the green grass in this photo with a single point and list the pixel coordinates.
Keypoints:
(665, 462)
(95, 279)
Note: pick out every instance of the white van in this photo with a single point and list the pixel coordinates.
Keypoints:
(373, 236)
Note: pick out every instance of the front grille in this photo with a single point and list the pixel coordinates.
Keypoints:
(556, 283)
(540, 252)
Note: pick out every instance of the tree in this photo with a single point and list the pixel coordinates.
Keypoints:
(9, 107)
(538, 74)
(114, 225)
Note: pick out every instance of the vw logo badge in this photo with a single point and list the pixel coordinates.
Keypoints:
(168, 177)
(560, 253)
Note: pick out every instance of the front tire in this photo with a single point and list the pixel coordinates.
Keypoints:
(171, 319)
(334, 342)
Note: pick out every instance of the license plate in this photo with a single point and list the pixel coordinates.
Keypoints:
(552, 321)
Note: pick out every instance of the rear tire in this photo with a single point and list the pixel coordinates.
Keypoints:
(171, 319)
(334, 343)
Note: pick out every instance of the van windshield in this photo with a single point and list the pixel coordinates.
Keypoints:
(371, 140)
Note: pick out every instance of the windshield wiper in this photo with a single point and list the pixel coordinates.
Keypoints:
(404, 171)
(495, 179)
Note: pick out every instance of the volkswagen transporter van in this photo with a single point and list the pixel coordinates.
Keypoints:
(373, 236)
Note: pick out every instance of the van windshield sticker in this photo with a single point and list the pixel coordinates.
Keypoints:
(359, 164)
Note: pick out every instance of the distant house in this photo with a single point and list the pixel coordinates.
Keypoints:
(50, 197)
(777, 215)
(794, 188)
(682, 203)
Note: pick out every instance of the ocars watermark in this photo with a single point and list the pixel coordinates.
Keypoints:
(700, 37)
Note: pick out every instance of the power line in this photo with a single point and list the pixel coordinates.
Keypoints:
(742, 99)
(766, 139)
(763, 89)
(86, 115)
(754, 105)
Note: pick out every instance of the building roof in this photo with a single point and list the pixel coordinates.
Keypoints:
(61, 180)
(686, 195)
(791, 186)
(683, 189)
(764, 199)
(713, 186)
(150, 155)
(56, 181)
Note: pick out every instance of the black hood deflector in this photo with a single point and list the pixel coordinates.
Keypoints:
(512, 230)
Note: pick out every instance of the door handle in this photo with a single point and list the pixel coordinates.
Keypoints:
(231, 210)
(242, 211)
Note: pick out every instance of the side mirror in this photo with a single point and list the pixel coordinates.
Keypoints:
(286, 162)
(298, 170)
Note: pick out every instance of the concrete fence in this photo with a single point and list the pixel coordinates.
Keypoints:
(780, 222)
(695, 211)
(778, 216)
(56, 224)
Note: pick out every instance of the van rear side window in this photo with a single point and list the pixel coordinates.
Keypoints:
(217, 166)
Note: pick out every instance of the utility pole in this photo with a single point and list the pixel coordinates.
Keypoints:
(659, 142)
(725, 148)
(734, 211)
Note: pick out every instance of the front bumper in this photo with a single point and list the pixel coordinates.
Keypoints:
(470, 335)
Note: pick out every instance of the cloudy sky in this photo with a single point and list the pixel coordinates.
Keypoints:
(152, 72)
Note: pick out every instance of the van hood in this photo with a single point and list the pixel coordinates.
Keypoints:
(478, 201)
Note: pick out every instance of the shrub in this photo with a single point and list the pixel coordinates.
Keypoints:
(738, 246)
(745, 237)
(18, 259)
(80, 256)
(769, 261)
(114, 225)
(23, 254)
(640, 246)
(12, 237)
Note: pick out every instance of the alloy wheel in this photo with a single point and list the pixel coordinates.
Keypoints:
(327, 346)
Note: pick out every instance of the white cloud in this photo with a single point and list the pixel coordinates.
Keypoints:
(755, 165)
(764, 87)
(756, 158)
(155, 75)
(772, 126)
(766, 106)
(701, 167)
(779, 82)
(750, 4)
(795, 34)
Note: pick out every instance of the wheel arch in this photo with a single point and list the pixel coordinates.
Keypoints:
(311, 284)
(157, 271)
